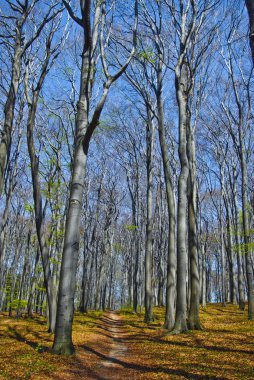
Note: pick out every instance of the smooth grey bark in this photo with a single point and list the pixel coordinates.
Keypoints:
(149, 219)
(84, 130)
(171, 259)
(181, 85)
(193, 316)
(65, 309)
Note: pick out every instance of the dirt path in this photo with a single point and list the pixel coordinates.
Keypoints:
(104, 356)
(118, 349)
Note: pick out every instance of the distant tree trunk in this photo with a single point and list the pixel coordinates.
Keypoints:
(246, 230)
(22, 278)
(32, 287)
(237, 237)
(160, 284)
(232, 279)
(84, 279)
(239, 141)
(133, 190)
(240, 272)
(49, 280)
(203, 271)
(222, 244)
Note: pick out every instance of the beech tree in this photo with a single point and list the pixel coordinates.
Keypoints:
(86, 122)
(189, 19)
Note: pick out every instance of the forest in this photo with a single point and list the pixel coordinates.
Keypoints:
(126, 189)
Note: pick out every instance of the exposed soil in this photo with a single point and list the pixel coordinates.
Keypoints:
(104, 357)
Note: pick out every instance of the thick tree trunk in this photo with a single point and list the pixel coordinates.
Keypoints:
(65, 309)
(171, 259)
(149, 224)
(182, 257)
(84, 130)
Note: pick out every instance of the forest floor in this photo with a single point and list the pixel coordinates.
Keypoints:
(118, 345)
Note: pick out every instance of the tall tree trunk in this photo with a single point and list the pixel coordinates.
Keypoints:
(41, 228)
(246, 231)
(238, 253)
(39, 218)
(181, 83)
(171, 259)
(222, 244)
(84, 131)
(63, 333)
(232, 279)
(193, 318)
(203, 271)
(65, 309)
(32, 286)
(149, 224)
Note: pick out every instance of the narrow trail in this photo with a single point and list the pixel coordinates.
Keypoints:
(118, 349)
(104, 357)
